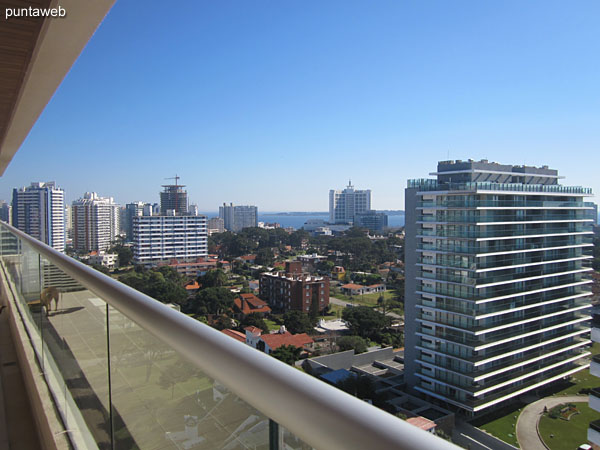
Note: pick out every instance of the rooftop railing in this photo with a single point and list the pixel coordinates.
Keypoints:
(127, 371)
(425, 184)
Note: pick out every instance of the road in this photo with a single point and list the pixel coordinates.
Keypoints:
(527, 423)
(340, 302)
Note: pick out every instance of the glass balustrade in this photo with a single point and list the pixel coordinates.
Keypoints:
(117, 385)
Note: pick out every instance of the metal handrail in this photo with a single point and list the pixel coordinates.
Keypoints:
(319, 414)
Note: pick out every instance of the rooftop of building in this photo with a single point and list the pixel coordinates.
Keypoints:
(421, 422)
(237, 335)
(250, 303)
(276, 340)
(294, 276)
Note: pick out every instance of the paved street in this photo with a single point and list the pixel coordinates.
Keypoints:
(527, 423)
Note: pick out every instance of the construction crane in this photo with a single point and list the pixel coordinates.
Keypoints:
(176, 178)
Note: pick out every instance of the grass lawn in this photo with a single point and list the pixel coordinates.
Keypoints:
(579, 380)
(273, 326)
(501, 424)
(567, 434)
(335, 311)
(365, 300)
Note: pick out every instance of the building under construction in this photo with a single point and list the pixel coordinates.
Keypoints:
(173, 198)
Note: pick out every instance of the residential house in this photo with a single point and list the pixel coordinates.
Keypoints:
(245, 304)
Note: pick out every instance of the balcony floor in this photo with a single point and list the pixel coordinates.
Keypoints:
(17, 426)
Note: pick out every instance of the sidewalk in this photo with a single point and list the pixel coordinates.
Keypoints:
(527, 422)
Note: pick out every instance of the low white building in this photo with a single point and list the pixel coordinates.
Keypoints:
(108, 260)
(163, 238)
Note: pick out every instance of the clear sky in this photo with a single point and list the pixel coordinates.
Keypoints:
(275, 102)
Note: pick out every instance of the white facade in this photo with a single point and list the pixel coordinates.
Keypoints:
(95, 222)
(345, 205)
(236, 218)
(162, 238)
(108, 260)
(39, 210)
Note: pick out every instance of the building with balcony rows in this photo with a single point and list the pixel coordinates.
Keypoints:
(497, 282)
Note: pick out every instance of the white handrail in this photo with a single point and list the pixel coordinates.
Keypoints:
(319, 414)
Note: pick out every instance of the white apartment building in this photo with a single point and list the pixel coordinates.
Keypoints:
(95, 222)
(346, 204)
(162, 238)
(39, 210)
(236, 218)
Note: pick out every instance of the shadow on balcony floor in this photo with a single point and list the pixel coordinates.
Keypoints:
(17, 426)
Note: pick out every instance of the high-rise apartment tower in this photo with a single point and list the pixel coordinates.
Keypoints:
(95, 222)
(497, 282)
(236, 218)
(345, 205)
(39, 210)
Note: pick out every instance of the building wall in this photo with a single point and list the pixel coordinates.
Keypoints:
(346, 204)
(294, 291)
(173, 198)
(39, 210)
(235, 218)
(497, 282)
(410, 310)
(163, 238)
(95, 222)
(372, 220)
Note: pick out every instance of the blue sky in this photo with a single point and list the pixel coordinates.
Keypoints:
(273, 103)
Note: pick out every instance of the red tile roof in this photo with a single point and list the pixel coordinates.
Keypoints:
(235, 334)
(352, 286)
(192, 286)
(253, 329)
(421, 422)
(250, 303)
(276, 340)
(248, 257)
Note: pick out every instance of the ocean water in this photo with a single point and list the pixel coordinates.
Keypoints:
(296, 222)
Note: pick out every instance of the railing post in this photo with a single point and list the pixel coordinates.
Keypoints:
(274, 435)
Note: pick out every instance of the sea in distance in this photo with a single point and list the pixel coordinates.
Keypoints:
(297, 219)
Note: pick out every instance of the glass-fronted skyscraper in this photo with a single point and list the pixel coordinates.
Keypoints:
(497, 282)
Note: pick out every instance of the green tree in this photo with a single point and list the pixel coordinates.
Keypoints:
(298, 322)
(213, 278)
(124, 253)
(253, 320)
(356, 343)
(213, 300)
(264, 257)
(325, 267)
(164, 283)
(365, 322)
(289, 354)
